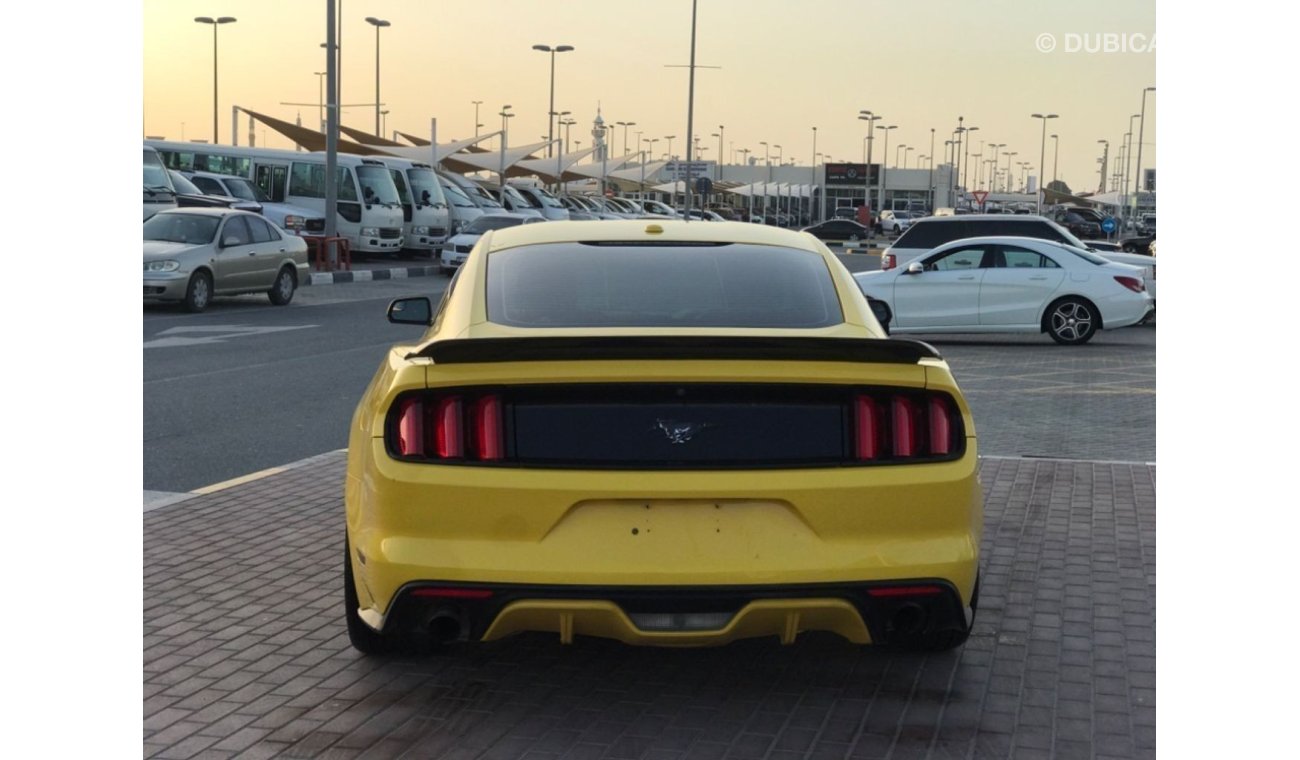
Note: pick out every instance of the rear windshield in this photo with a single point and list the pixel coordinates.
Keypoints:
(628, 285)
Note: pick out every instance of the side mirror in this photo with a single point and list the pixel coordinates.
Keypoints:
(915, 267)
(411, 311)
(230, 240)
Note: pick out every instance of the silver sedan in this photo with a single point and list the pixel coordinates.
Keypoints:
(193, 254)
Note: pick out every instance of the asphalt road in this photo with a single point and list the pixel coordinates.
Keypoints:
(247, 386)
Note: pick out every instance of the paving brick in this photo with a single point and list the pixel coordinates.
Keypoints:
(246, 653)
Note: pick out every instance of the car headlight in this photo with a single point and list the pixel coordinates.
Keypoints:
(369, 232)
(162, 266)
(456, 226)
(293, 222)
(419, 230)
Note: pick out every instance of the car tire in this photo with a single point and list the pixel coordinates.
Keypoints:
(1071, 321)
(286, 282)
(365, 639)
(198, 294)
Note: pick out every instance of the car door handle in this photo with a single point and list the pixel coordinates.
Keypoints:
(967, 277)
(281, 250)
(1040, 277)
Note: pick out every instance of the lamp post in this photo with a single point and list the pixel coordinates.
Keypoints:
(883, 167)
(956, 156)
(215, 22)
(385, 123)
(1042, 152)
(965, 160)
(505, 131)
(812, 185)
(721, 131)
(993, 178)
(930, 185)
(1142, 125)
(1105, 158)
(566, 123)
(1127, 167)
(550, 119)
(378, 23)
(871, 119)
(670, 139)
(476, 103)
(1056, 153)
(321, 81)
(1008, 156)
(625, 125)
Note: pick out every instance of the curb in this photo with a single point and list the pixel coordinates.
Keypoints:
(370, 275)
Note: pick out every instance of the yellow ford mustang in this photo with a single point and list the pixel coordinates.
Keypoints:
(661, 432)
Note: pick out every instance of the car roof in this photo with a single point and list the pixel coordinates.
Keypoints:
(214, 175)
(637, 230)
(976, 217)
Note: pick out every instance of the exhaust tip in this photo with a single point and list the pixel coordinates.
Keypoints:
(909, 619)
(446, 625)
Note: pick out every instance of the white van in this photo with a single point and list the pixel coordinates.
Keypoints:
(295, 220)
(540, 200)
(369, 209)
(463, 210)
(159, 193)
(424, 207)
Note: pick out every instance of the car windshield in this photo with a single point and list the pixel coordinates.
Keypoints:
(662, 285)
(183, 185)
(547, 198)
(245, 190)
(1084, 254)
(191, 229)
(488, 223)
(377, 185)
(457, 198)
(484, 197)
(155, 176)
(426, 188)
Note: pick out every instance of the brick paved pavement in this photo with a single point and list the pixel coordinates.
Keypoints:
(246, 655)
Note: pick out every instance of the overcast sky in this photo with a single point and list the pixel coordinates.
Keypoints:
(785, 67)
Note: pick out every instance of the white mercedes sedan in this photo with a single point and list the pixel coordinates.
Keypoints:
(1010, 285)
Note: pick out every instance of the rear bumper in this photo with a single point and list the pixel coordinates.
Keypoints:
(862, 613)
(576, 550)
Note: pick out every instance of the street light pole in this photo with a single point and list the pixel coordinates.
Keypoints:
(1056, 153)
(550, 113)
(930, 186)
(1042, 153)
(215, 23)
(965, 160)
(871, 119)
(476, 103)
(1128, 164)
(505, 131)
(321, 81)
(1142, 125)
(885, 160)
(1008, 155)
(1105, 158)
(378, 23)
(814, 218)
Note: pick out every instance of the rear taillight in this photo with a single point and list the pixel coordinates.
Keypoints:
(887, 261)
(464, 427)
(893, 427)
(1134, 284)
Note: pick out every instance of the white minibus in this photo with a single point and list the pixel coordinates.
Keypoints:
(369, 208)
(424, 207)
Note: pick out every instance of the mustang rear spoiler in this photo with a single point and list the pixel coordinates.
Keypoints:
(866, 350)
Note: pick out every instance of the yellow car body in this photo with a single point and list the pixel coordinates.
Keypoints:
(658, 554)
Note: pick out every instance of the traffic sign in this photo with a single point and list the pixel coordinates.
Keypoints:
(980, 195)
(704, 186)
(1108, 225)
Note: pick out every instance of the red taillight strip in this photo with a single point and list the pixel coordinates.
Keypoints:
(869, 428)
(904, 591)
(904, 419)
(1132, 283)
(410, 428)
(452, 593)
(940, 427)
(487, 423)
(450, 438)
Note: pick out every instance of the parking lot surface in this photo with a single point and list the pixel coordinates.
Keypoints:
(246, 654)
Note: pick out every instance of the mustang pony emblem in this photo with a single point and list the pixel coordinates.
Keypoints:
(681, 432)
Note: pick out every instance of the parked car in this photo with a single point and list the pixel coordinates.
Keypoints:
(933, 231)
(1008, 285)
(701, 214)
(657, 208)
(295, 220)
(542, 201)
(845, 212)
(1077, 220)
(592, 206)
(1139, 243)
(511, 200)
(188, 195)
(839, 229)
(193, 254)
(666, 434)
(459, 246)
(1146, 263)
(1147, 225)
(895, 221)
(463, 210)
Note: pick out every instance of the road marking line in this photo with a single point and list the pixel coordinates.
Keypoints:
(239, 481)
